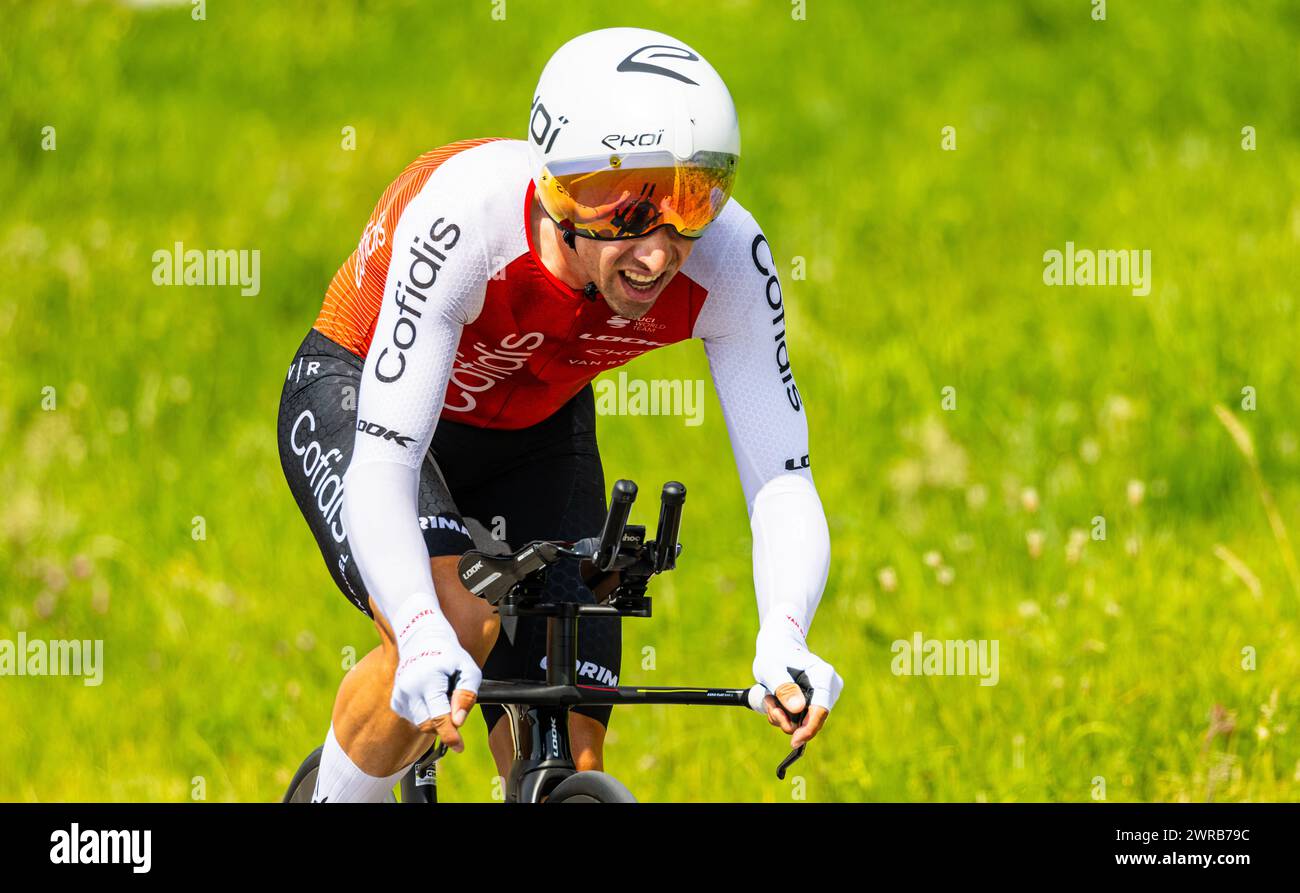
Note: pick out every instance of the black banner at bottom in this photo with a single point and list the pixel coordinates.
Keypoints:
(246, 842)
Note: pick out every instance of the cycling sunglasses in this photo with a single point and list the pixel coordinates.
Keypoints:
(627, 196)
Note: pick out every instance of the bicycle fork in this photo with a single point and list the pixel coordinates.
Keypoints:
(543, 757)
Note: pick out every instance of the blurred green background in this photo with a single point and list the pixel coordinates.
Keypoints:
(1121, 659)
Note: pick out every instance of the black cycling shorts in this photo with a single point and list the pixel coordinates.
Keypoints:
(479, 488)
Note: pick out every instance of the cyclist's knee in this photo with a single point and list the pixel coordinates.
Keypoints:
(475, 621)
(587, 742)
(489, 629)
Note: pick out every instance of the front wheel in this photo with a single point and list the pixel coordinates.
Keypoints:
(303, 784)
(591, 787)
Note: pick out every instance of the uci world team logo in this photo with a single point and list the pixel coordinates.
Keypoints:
(644, 325)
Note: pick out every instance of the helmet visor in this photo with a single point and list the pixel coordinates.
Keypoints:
(625, 196)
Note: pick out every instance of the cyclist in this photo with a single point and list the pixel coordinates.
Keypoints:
(442, 400)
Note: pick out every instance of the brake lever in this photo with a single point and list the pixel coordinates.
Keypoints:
(805, 686)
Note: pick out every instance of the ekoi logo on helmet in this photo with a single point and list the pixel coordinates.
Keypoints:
(540, 126)
(617, 141)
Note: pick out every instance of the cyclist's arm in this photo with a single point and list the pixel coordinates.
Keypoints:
(402, 390)
(743, 325)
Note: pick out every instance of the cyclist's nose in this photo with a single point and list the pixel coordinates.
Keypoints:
(656, 254)
(656, 261)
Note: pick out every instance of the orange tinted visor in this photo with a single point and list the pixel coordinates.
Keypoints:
(626, 196)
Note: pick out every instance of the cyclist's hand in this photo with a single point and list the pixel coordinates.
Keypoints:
(430, 663)
(781, 651)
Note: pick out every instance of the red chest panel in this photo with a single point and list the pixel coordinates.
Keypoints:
(537, 343)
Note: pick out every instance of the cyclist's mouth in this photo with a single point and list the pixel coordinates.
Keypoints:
(639, 287)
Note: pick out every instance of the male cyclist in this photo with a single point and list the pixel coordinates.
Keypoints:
(447, 382)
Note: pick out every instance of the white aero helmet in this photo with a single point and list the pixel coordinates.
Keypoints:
(631, 130)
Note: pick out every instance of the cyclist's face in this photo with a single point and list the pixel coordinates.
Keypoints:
(632, 273)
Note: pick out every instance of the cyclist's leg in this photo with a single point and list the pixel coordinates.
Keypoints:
(545, 482)
(377, 740)
(370, 746)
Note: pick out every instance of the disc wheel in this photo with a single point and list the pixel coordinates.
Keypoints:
(591, 787)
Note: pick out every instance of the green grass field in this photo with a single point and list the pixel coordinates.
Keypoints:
(1162, 659)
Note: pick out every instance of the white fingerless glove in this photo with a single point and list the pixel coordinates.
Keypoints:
(781, 648)
(429, 658)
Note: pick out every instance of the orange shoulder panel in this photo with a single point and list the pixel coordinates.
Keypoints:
(356, 292)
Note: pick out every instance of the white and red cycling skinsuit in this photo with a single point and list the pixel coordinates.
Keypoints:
(457, 318)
